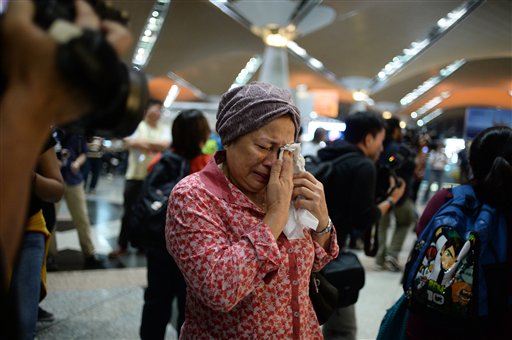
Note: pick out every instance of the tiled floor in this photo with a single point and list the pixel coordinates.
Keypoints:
(107, 304)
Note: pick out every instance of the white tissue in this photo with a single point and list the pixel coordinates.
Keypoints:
(298, 219)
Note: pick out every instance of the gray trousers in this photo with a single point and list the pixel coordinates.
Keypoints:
(404, 217)
(342, 325)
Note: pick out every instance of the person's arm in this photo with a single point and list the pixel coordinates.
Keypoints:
(324, 240)
(136, 141)
(47, 183)
(147, 145)
(158, 146)
(36, 97)
(78, 163)
(79, 144)
(394, 195)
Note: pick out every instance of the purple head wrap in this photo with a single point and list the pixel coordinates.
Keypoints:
(247, 108)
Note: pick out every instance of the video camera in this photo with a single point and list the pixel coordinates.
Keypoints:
(391, 164)
(118, 94)
(398, 163)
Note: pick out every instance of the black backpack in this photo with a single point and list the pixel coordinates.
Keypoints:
(146, 219)
(323, 170)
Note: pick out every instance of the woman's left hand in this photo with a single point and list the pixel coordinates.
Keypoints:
(308, 193)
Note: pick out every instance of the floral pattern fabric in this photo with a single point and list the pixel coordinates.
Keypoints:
(241, 282)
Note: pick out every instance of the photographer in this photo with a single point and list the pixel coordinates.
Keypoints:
(34, 95)
(350, 196)
(398, 161)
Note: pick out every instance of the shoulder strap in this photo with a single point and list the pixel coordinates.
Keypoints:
(170, 156)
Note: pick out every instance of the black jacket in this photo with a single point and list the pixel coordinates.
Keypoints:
(350, 190)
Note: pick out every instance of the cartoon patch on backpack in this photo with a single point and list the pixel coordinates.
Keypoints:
(445, 277)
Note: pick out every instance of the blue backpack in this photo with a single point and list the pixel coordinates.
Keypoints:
(458, 267)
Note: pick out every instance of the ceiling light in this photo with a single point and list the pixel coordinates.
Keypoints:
(387, 115)
(430, 83)
(419, 122)
(441, 27)
(359, 95)
(171, 96)
(248, 71)
(430, 105)
(150, 33)
(183, 83)
(316, 63)
(414, 114)
(403, 124)
(292, 45)
(276, 40)
(276, 36)
(434, 114)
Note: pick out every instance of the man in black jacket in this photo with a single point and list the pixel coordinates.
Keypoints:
(350, 195)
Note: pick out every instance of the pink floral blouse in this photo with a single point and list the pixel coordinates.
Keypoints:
(241, 282)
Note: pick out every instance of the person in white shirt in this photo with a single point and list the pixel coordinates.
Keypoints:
(150, 138)
(437, 161)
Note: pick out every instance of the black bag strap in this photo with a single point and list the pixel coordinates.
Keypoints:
(331, 164)
(164, 175)
(371, 240)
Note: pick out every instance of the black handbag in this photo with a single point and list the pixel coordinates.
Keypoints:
(146, 218)
(345, 275)
(323, 295)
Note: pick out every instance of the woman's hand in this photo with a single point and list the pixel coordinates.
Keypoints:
(117, 35)
(279, 194)
(308, 194)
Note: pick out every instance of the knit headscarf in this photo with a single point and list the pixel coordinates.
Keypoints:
(247, 108)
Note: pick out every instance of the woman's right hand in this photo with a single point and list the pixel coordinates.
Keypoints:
(279, 193)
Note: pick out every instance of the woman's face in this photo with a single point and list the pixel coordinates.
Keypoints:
(250, 157)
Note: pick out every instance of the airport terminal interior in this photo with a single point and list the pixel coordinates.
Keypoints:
(443, 68)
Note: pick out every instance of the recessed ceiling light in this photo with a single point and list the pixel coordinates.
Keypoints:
(359, 95)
